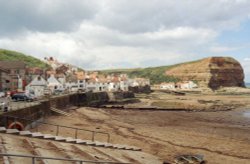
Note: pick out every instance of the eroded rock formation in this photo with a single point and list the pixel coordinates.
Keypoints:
(213, 72)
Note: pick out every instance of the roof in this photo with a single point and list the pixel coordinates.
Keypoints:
(38, 81)
(115, 80)
(124, 78)
(53, 81)
(92, 80)
(3, 70)
(60, 75)
(51, 72)
(80, 75)
(103, 80)
(12, 65)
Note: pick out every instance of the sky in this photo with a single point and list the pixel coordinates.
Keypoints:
(104, 34)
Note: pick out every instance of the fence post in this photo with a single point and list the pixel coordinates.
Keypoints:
(15, 123)
(33, 160)
(76, 133)
(6, 122)
(93, 136)
(108, 137)
(57, 130)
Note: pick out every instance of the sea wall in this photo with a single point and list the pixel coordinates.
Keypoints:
(140, 89)
(42, 109)
(26, 114)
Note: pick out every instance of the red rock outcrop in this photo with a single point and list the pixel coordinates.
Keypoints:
(213, 72)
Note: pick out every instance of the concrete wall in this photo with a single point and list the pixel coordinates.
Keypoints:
(140, 89)
(35, 112)
(40, 111)
(118, 95)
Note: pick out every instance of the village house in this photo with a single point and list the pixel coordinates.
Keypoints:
(102, 83)
(71, 68)
(114, 84)
(124, 84)
(92, 84)
(15, 79)
(33, 72)
(62, 79)
(37, 86)
(49, 72)
(54, 84)
(71, 83)
(62, 69)
(95, 82)
(168, 86)
(4, 79)
(81, 82)
(52, 62)
(186, 85)
(139, 82)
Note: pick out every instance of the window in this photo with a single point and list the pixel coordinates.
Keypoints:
(17, 71)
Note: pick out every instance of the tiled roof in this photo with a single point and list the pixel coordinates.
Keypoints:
(3, 70)
(92, 80)
(115, 80)
(12, 65)
(80, 75)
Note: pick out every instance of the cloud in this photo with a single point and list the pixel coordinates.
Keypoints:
(44, 15)
(146, 16)
(96, 47)
(222, 49)
(102, 34)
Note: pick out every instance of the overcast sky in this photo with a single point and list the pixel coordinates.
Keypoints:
(101, 34)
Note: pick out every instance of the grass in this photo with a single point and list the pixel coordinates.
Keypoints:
(155, 74)
(7, 55)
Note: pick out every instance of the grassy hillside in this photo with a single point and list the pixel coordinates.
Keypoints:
(8, 55)
(155, 74)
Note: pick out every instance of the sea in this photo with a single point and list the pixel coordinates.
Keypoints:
(246, 114)
(247, 85)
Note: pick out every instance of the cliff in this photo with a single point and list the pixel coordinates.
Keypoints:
(213, 72)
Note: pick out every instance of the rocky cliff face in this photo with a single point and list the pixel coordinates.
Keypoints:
(211, 72)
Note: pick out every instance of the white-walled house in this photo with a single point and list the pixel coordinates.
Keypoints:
(187, 85)
(92, 85)
(81, 84)
(37, 86)
(54, 84)
(133, 83)
(102, 85)
(170, 86)
(124, 85)
(62, 80)
(113, 86)
(81, 80)
(138, 82)
(71, 86)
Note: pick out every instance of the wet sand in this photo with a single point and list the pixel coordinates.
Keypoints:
(222, 137)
